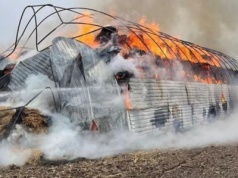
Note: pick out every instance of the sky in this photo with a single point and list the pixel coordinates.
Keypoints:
(11, 10)
(208, 23)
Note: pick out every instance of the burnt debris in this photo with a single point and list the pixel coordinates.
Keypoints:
(106, 34)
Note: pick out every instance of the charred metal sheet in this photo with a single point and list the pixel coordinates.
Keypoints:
(175, 105)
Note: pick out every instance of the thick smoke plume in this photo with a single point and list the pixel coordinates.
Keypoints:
(208, 23)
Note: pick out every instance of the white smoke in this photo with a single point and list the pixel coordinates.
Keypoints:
(34, 85)
(39, 83)
(13, 155)
(119, 64)
(152, 70)
(66, 140)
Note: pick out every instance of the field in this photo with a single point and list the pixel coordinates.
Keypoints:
(214, 161)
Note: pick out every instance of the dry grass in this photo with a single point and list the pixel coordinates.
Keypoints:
(31, 120)
(34, 121)
(5, 118)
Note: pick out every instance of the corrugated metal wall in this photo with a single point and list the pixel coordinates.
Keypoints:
(177, 105)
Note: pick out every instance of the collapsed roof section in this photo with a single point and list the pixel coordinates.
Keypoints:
(84, 89)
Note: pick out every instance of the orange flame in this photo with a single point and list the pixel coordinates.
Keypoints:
(171, 49)
(145, 37)
(126, 98)
(85, 28)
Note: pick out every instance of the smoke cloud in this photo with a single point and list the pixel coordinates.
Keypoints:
(65, 142)
(208, 23)
(11, 155)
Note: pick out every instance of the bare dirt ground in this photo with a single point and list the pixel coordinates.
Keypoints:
(215, 161)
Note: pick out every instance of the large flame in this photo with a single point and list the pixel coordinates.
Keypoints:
(145, 37)
(84, 28)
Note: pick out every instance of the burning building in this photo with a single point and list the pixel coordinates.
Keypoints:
(126, 75)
